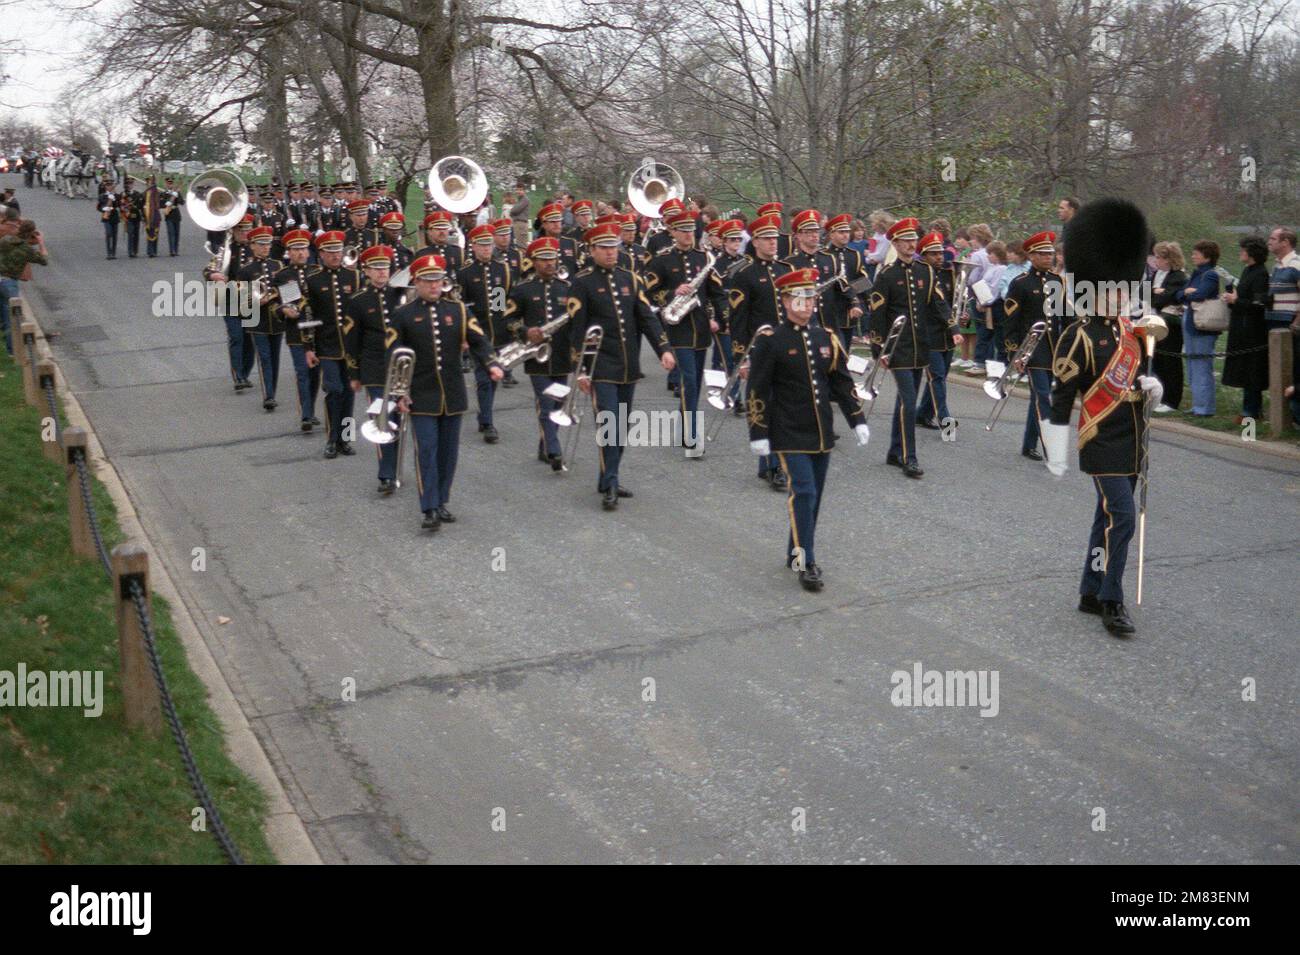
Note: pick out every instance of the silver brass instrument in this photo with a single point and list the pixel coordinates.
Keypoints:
(721, 398)
(682, 305)
(515, 352)
(651, 185)
(397, 385)
(568, 416)
(868, 391)
(350, 256)
(960, 289)
(1001, 387)
(216, 200)
(457, 184)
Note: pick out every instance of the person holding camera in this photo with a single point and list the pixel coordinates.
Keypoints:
(21, 244)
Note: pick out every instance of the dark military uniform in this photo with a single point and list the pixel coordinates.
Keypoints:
(484, 286)
(753, 302)
(169, 203)
(328, 291)
(436, 332)
(300, 340)
(368, 341)
(794, 374)
(832, 304)
(573, 255)
(1110, 444)
(614, 300)
(692, 336)
(269, 330)
(1024, 305)
(910, 289)
(452, 254)
(361, 239)
(239, 341)
(108, 205)
(131, 208)
(849, 263)
(634, 257)
(932, 410)
(532, 304)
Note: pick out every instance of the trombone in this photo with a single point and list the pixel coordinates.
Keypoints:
(721, 398)
(868, 391)
(1000, 388)
(568, 415)
(397, 385)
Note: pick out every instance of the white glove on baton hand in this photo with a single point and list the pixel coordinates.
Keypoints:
(1153, 389)
(863, 433)
(1056, 438)
(761, 448)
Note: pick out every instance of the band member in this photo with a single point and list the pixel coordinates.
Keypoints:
(669, 275)
(796, 368)
(582, 212)
(1099, 358)
(932, 412)
(832, 302)
(530, 305)
(369, 339)
(484, 284)
(571, 254)
(503, 233)
(270, 215)
(632, 256)
(239, 342)
(269, 330)
(297, 245)
(754, 302)
(391, 225)
(328, 291)
(612, 298)
(1030, 299)
(910, 289)
(656, 242)
(437, 329)
(109, 204)
(730, 234)
(849, 264)
(437, 233)
(328, 215)
(359, 234)
(130, 207)
(307, 215)
(171, 203)
(784, 247)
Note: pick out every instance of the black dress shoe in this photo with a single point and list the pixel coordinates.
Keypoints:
(811, 578)
(671, 386)
(929, 424)
(610, 500)
(430, 522)
(509, 381)
(306, 426)
(912, 470)
(490, 434)
(1088, 603)
(346, 448)
(738, 410)
(1033, 454)
(269, 404)
(1116, 619)
(385, 487)
(331, 450)
(623, 492)
(445, 515)
(557, 462)
(895, 461)
(778, 481)
(542, 456)
(315, 420)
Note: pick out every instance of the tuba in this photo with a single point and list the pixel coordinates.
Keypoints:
(650, 186)
(457, 184)
(216, 200)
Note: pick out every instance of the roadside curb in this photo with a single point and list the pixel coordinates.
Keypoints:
(1277, 449)
(284, 829)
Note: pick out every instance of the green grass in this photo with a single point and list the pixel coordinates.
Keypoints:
(85, 790)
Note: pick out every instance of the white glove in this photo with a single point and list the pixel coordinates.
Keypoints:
(762, 448)
(863, 433)
(1152, 387)
(1056, 438)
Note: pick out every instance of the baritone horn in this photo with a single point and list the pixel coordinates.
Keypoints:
(397, 385)
(457, 184)
(216, 199)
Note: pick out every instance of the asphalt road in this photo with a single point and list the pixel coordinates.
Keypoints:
(521, 689)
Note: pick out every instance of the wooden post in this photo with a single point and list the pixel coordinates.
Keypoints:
(83, 542)
(16, 311)
(140, 701)
(1280, 343)
(44, 373)
(27, 333)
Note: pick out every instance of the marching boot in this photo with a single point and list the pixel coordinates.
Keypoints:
(1088, 603)
(346, 448)
(623, 491)
(778, 480)
(912, 470)
(385, 487)
(810, 578)
(430, 522)
(1116, 619)
(610, 500)
(444, 515)
(331, 451)
(1033, 454)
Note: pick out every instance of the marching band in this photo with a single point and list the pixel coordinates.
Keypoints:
(360, 309)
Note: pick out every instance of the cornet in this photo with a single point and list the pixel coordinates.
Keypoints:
(1000, 388)
(868, 391)
(397, 385)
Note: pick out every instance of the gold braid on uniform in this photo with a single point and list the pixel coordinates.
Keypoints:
(1065, 367)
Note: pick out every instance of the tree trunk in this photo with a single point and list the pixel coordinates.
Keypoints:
(275, 124)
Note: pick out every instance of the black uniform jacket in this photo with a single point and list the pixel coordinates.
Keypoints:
(614, 300)
(532, 304)
(436, 332)
(794, 373)
(754, 301)
(483, 289)
(671, 268)
(370, 333)
(327, 292)
(269, 319)
(1024, 306)
(1082, 354)
(910, 289)
(294, 335)
(832, 304)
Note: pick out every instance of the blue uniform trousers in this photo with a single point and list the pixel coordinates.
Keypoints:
(548, 441)
(1112, 530)
(485, 389)
(386, 453)
(308, 381)
(934, 397)
(338, 397)
(239, 343)
(437, 445)
(608, 397)
(807, 476)
(691, 361)
(902, 431)
(1040, 405)
(268, 362)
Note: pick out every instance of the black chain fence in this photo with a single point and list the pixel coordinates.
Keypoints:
(136, 593)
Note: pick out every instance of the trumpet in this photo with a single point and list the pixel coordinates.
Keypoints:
(568, 415)
(1000, 388)
(397, 385)
(515, 352)
(868, 391)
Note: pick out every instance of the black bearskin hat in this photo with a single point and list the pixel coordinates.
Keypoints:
(1107, 241)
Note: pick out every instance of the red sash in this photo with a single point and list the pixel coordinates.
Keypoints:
(1108, 391)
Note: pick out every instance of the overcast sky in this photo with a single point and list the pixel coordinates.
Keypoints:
(50, 39)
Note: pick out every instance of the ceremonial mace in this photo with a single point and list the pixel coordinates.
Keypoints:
(1152, 328)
